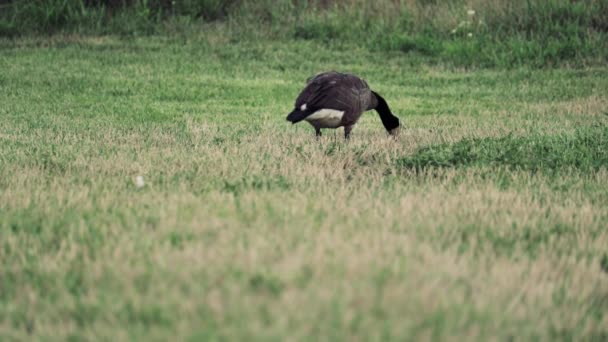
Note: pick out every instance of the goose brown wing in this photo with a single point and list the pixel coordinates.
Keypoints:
(334, 90)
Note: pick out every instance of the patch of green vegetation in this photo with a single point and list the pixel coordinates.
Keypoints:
(585, 150)
(238, 186)
(266, 284)
(604, 263)
(515, 240)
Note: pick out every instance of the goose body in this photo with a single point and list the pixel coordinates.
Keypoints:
(333, 99)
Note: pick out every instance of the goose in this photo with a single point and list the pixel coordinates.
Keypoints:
(332, 99)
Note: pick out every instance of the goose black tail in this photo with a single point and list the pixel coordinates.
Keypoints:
(296, 116)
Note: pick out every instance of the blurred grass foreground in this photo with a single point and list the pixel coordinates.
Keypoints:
(497, 33)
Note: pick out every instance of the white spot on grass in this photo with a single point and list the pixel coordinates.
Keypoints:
(139, 182)
(471, 12)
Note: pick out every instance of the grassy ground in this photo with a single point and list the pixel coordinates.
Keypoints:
(485, 219)
(464, 33)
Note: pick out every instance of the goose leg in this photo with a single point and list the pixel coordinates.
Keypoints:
(347, 130)
(317, 132)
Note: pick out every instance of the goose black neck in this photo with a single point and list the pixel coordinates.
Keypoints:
(389, 120)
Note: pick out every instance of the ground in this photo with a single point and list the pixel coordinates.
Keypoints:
(486, 218)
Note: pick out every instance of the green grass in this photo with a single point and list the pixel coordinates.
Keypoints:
(586, 150)
(499, 33)
(486, 218)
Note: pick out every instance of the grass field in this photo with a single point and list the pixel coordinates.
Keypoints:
(485, 219)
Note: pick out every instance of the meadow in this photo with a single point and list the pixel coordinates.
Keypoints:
(485, 219)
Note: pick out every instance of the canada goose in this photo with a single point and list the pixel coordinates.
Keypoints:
(333, 99)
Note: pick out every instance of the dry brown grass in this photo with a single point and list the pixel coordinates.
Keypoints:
(339, 245)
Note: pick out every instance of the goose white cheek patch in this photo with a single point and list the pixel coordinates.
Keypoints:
(303, 107)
